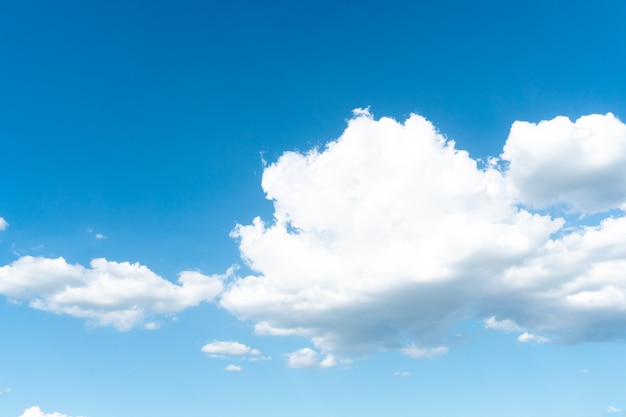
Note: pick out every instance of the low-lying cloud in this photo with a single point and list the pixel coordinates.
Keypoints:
(119, 294)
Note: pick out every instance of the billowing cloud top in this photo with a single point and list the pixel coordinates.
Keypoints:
(390, 234)
(581, 164)
(3, 224)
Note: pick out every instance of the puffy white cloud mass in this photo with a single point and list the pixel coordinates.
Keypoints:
(120, 294)
(221, 349)
(36, 412)
(389, 235)
(581, 164)
(3, 224)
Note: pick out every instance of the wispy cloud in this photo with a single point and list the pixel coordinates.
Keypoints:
(416, 352)
(531, 338)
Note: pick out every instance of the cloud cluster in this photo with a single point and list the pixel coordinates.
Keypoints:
(36, 412)
(390, 234)
(120, 294)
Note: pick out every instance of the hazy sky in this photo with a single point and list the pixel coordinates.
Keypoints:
(312, 209)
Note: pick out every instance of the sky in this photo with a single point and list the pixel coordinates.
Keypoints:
(318, 209)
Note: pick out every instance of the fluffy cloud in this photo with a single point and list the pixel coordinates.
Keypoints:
(581, 164)
(390, 234)
(531, 338)
(233, 368)
(120, 294)
(309, 358)
(220, 349)
(3, 224)
(36, 412)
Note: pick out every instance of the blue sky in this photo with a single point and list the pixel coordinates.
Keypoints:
(312, 208)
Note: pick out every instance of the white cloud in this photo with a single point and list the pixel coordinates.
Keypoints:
(422, 353)
(100, 236)
(581, 163)
(220, 349)
(612, 409)
(389, 235)
(3, 224)
(403, 373)
(233, 368)
(36, 412)
(152, 326)
(309, 358)
(383, 233)
(531, 338)
(119, 294)
(505, 325)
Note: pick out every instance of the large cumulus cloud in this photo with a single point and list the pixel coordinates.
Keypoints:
(390, 234)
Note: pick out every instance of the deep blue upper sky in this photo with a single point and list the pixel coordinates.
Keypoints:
(157, 113)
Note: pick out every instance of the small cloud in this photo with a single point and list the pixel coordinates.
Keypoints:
(531, 338)
(220, 349)
(3, 224)
(583, 371)
(404, 373)
(100, 236)
(233, 368)
(152, 326)
(612, 409)
(424, 353)
(360, 112)
(504, 325)
(328, 362)
(308, 358)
